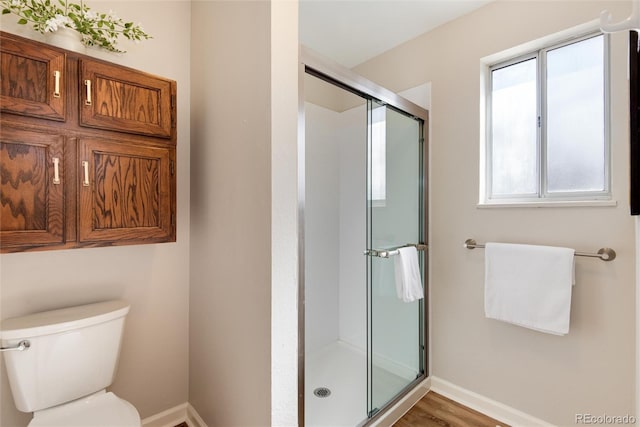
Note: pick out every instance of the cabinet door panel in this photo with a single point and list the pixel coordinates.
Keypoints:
(31, 208)
(125, 100)
(32, 80)
(125, 193)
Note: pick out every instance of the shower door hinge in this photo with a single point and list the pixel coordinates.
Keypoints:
(421, 140)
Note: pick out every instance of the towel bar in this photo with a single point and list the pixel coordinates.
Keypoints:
(386, 253)
(605, 254)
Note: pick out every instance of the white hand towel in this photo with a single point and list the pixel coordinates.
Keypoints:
(407, 271)
(529, 286)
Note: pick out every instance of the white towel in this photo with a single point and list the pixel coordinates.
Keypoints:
(407, 271)
(529, 286)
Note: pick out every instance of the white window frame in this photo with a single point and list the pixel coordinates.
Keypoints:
(543, 197)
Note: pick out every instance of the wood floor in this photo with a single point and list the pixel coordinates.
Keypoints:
(435, 410)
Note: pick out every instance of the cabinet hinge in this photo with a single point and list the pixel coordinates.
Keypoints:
(172, 167)
(173, 220)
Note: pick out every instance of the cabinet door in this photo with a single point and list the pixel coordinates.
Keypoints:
(127, 192)
(124, 100)
(32, 79)
(32, 210)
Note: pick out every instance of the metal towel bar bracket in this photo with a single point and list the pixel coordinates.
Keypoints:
(22, 345)
(605, 254)
(387, 253)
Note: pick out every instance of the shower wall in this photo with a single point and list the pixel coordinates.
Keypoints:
(352, 294)
(335, 281)
(322, 228)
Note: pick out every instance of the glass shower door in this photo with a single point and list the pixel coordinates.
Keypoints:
(394, 219)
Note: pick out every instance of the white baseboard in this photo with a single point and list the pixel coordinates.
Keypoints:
(485, 405)
(403, 406)
(169, 418)
(174, 416)
(193, 418)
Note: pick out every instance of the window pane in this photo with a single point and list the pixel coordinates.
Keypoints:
(378, 154)
(575, 117)
(513, 128)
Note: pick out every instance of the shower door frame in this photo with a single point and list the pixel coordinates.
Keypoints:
(316, 65)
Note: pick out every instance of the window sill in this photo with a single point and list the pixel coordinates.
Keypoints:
(548, 204)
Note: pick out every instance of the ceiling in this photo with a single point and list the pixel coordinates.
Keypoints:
(352, 31)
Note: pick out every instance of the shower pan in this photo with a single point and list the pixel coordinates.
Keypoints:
(363, 186)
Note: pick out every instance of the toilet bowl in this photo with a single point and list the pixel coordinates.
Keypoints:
(60, 362)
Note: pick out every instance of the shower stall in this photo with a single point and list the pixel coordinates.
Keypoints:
(363, 191)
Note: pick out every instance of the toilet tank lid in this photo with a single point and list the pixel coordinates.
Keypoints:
(61, 320)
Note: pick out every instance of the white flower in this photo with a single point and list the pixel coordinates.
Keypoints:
(63, 19)
(52, 24)
(92, 16)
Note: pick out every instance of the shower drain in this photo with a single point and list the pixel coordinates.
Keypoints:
(322, 392)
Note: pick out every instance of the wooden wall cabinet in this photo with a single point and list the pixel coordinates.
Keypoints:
(31, 202)
(87, 151)
(124, 192)
(32, 80)
(124, 100)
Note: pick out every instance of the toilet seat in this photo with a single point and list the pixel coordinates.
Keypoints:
(98, 410)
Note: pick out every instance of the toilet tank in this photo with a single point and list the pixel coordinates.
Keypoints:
(73, 353)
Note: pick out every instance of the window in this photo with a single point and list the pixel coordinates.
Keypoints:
(378, 153)
(547, 125)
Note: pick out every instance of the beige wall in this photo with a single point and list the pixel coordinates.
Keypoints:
(230, 304)
(590, 370)
(153, 370)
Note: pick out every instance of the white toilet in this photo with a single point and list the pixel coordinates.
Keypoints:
(60, 362)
